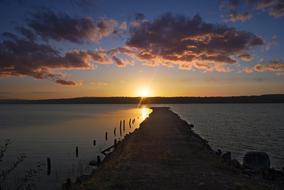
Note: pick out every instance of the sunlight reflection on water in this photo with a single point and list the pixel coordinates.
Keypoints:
(144, 112)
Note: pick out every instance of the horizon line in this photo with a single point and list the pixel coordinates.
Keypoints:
(78, 97)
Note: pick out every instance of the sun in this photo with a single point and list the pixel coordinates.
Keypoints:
(144, 92)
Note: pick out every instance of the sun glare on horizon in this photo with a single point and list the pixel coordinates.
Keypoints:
(144, 92)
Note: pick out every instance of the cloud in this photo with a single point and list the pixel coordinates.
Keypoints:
(245, 57)
(62, 27)
(188, 42)
(24, 57)
(275, 66)
(274, 8)
(121, 62)
(169, 40)
(233, 16)
(84, 5)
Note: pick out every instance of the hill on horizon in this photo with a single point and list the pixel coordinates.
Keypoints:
(268, 98)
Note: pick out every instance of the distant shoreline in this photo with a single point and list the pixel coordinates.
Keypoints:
(271, 98)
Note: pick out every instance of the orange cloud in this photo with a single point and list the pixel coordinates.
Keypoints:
(24, 57)
(188, 42)
(273, 66)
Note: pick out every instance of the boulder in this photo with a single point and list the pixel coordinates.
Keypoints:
(235, 163)
(227, 157)
(190, 125)
(256, 161)
(219, 152)
(93, 163)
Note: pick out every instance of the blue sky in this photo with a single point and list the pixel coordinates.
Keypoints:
(261, 73)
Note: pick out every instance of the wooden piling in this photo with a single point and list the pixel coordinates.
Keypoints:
(120, 130)
(48, 166)
(77, 151)
(123, 125)
(129, 123)
(115, 143)
(98, 160)
(114, 132)
(106, 136)
(67, 184)
(94, 142)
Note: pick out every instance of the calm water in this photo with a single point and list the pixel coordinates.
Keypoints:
(41, 131)
(239, 127)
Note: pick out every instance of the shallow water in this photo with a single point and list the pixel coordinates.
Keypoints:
(41, 131)
(239, 127)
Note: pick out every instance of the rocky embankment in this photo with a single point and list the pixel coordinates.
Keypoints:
(164, 153)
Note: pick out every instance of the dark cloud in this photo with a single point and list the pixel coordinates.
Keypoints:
(275, 66)
(274, 8)
(139, 16)
(85, 5)
(62, 27)
(188, 42)
(232, 4)
(27, 33)
(24, 57)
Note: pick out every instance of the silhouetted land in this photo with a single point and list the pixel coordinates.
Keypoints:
(164, 153)
(272, 98)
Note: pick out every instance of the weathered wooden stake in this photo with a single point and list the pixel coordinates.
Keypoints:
(48, 166)
(68, 183)
(114, 131)
(115, 143)
(77, 151)
(106, 136)
(94, 142)
(98, 160)
(120, 130)
(123, 125)
(129, 123)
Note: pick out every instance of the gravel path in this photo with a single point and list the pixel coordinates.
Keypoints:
(164, 153)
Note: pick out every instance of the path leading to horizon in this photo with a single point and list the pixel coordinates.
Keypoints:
(164, 153)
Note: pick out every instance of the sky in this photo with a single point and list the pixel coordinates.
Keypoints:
(75, 48)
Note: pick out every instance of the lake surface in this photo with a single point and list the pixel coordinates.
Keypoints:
(54, 131)
(239, 128)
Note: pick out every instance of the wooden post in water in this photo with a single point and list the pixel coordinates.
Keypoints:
(123, 125)
(94, 142)
(115, 143)
(48, 166)
(106, 136)
(120, 130)
(129, 123)
(68, 183)
(114, 132)
(98, 160)
(77, 151)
